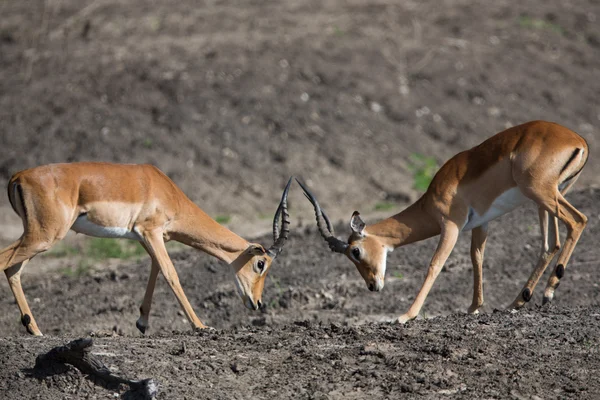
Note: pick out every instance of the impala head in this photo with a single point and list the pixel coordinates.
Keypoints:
(367, 252)
(252, 265)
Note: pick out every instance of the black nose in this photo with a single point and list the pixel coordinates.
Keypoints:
(371, 287)
(259, 303)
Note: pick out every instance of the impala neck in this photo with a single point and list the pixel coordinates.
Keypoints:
(409, 226)
(195, 228)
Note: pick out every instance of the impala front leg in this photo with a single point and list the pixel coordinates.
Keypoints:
(448, 238)
(142, 322)
(478, 240)
(156, 247)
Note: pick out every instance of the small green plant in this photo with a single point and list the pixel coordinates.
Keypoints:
(423, 169)
(83, 268)
(384, 206)
(154, 23)
(337, 31)
(147, 143)
(223, 219)
(526, 21)
(397, 274)
(173, 246)
(62, 249)
(102, 248)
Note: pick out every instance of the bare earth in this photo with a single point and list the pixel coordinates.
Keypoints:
(230, 100)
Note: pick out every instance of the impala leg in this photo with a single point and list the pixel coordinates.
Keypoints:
(13, 274)
(157, 250)
(575, 222)
(478, 240)
(550, 247)
(12, 260)
(448, 238)
(142, 322)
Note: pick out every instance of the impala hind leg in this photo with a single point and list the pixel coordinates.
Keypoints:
(12, 260)
(13, 274)
(575, 222)
(478, 240)
(550, 247)
(155, 245)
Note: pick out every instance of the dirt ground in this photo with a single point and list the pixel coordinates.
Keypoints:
(230, 100)
(322, 334)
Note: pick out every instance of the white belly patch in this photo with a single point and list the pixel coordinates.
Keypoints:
(503, 204)
(85, 226)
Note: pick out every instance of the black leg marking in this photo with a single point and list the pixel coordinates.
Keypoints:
(546, 300)
(141, 327)
(560, 271)
(26, 320)
(526, 294)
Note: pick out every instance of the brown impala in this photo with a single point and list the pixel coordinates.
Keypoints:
(539, 161)
(136, 202)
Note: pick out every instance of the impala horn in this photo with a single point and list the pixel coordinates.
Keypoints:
(279, 238)
(326, 231)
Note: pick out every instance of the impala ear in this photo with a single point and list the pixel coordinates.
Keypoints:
(256, 250)
(356, 223)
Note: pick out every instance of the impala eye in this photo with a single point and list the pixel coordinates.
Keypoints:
(356, 253)
(261, 265)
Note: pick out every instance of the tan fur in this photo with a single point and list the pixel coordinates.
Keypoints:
(529, 157)
(138, 198)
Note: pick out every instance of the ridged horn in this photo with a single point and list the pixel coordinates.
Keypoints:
(280, 237)
(323, 223)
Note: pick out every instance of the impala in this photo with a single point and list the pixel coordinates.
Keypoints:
(538, 160)
(137, 202)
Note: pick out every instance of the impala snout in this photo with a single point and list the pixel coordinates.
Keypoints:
(248, 300)
(252, 305)
(376, 285)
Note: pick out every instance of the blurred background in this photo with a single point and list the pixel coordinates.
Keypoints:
(364, 100)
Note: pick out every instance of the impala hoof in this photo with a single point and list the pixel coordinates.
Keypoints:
(31, 327)
(142, 328)
(204, 329)
(403, 319)
(547, 299)
(548, 295)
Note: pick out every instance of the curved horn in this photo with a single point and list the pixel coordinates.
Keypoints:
(279, 238)
(334, 243)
